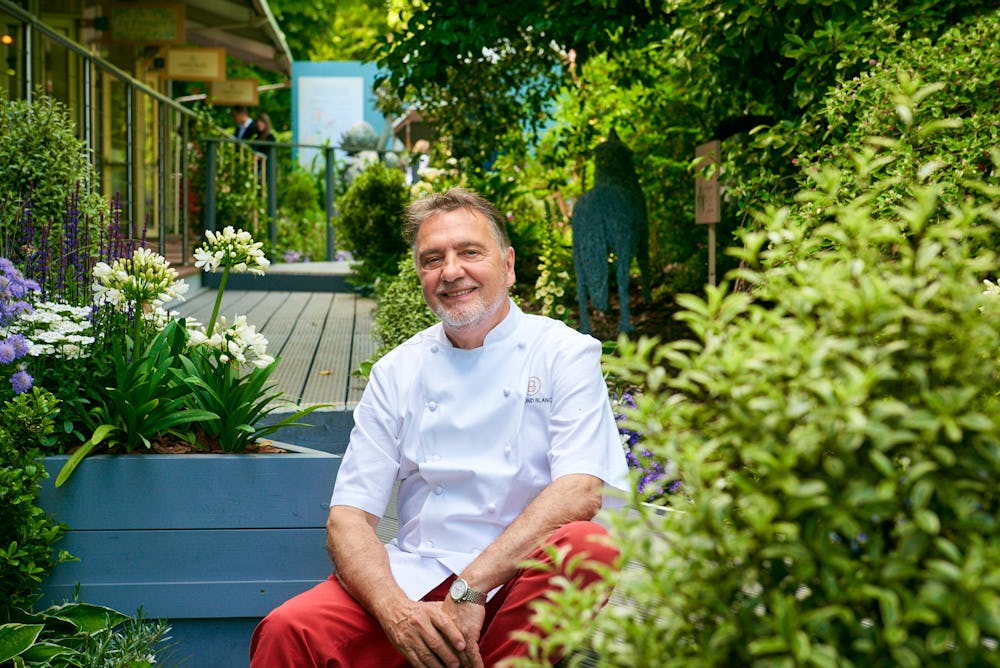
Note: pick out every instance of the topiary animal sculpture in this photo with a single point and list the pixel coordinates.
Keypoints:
(610, 218)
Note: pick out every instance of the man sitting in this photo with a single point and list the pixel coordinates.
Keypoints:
(497, 429)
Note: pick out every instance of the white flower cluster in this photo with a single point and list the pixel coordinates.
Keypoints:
(240, 343)
(145, 280)
(232, 249)
(55, 328)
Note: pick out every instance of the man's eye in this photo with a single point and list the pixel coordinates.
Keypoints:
(432, 261)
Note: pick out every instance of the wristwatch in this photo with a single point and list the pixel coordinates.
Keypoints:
(460, 593)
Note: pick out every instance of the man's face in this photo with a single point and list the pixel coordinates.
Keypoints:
(464, 274)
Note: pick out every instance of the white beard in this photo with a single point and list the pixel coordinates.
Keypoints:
(470, 315)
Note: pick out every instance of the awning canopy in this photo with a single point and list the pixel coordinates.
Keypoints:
(245, 28)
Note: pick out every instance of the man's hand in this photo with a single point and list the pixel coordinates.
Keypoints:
(469, 618)
(429, 637)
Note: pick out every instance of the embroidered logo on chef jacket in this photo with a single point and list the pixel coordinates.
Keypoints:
(534, 387)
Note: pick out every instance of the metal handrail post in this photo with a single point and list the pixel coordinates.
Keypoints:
(131, 187)
(272, 194)
(330, 206)
(210, 166)
(185, 204)
(162, 169)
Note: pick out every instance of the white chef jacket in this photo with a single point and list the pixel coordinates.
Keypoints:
(473, 436)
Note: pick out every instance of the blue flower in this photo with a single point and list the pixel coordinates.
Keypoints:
(7, 352)
(21, 382)
(20, 345)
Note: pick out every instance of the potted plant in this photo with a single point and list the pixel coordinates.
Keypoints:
(212, 538)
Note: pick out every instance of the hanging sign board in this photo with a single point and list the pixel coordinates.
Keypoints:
(706, 191)
(145, 23)
(234, 91)
(195, 64)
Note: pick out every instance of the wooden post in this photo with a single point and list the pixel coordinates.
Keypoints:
(707, 209)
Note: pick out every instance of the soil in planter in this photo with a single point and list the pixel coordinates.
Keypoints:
(204, 444)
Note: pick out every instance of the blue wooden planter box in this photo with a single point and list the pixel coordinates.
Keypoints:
(210, 542)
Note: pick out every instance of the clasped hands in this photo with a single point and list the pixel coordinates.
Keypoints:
(439, 634)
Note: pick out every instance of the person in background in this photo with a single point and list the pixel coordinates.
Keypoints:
(245, 128)
(495, 429)
(264, 130)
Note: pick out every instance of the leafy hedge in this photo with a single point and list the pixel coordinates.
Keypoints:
(401, 310)
(43, 161)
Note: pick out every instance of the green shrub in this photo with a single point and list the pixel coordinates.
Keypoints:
(401, 310)
(837, 430)
(371, 221)
(770, 168)
(41, 158)
(27, 534)
(239, 199)
(302, 218)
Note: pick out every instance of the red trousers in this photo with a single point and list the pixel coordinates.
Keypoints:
(325, 627)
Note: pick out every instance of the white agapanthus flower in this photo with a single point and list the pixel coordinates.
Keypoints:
(144, 281)
(240, 344)
(232, 249)
(55, 328)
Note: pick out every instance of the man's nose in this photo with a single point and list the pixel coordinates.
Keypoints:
(453, 268)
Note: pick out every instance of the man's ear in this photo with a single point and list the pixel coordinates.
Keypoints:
(509, 263)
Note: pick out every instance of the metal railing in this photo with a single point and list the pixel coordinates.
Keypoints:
(91, 63)
(269, 184)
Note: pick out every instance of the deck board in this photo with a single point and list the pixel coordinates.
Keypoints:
(320, 338)
(363, 346)
(327, 380)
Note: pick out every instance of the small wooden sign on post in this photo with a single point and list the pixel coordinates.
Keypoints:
(234, 91)
(707, 203)
(194, 64)
(145, 23)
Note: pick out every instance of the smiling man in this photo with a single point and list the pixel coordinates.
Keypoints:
(496, 427)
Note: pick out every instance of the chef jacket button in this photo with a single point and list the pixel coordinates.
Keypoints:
(492, 507)
(506, 391)
(507, 449)
(435, 348)
(522, 344)
(427, 544)
(432, 406)
(436, 458)
(439, 490)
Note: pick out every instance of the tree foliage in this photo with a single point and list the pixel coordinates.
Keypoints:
(331, 29)
(517, 55)
(729, 57)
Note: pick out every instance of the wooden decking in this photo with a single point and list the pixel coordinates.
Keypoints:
(320, 338)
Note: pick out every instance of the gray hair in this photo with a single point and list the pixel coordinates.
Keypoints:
(455, 198)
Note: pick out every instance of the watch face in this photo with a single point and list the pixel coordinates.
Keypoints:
(458, 589)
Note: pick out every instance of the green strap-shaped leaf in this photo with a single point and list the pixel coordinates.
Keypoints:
(87, 616)
(17, 638)
(101, 433)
